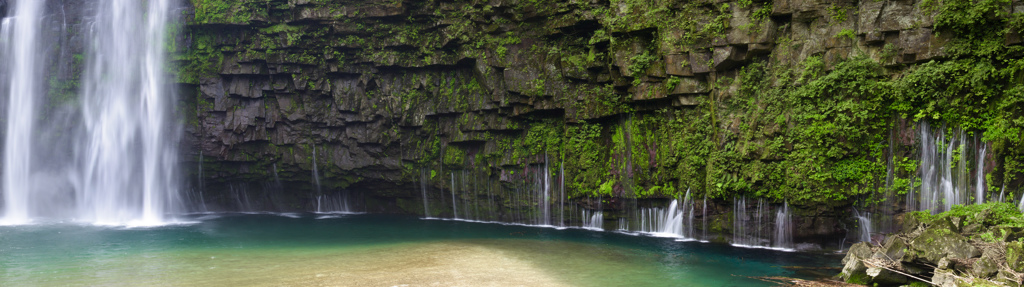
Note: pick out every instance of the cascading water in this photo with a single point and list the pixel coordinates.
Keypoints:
(704, 218)
(592, 219)
(752, 229)
(316, 174)
(129, 134)
(21, 35)
(674, 221)
(455, 205)
(333, 203)
(423, 189)
(864, 222)
(783, 228)
(545, 199)
(688, 209)
(979, 189)
(739, 223)
(123, 170)
(277, 179)
(945, 180)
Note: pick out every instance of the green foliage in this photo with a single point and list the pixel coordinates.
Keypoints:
(606, 188)
(639, 64)
(837, 14)
(228, 11)
(826, 155)
(204, 58)
(977, 26)
(847, 33)
(988, 214)
(586, 157)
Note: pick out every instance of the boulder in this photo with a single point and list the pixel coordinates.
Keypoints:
(910, 222)
(936, 243)
(854, 270)
(1015, 255)
(895, 248)
(985, 267)
(944, 278)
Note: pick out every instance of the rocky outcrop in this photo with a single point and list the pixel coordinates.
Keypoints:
(942, 251)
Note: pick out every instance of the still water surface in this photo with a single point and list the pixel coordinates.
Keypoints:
(375, 250)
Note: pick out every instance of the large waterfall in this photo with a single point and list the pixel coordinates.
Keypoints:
(122, 166)
(21, 38)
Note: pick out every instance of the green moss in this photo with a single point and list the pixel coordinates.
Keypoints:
(228, 12)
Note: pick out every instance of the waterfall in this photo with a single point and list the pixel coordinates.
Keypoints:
(423, 189)
(674, 221)
(1002, 193)
(864, 220)
(333, 203)
(688, 209)
(21, 50)
(945, 179)
(704, 217)
(1020, 205)
(545, 200)
(561, 192)
(937, 190)
(241, 196)
(979, 190)
(752, 229)
(316, 173)
(199, 180)
(277, 180)
(593, 219)
(739, 222)
(783, 227)
(455, 209)
(128, 147)
(121, 167)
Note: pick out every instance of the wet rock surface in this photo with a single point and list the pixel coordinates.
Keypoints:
(927, 251)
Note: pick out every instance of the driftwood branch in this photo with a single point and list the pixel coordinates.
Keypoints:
(898, 272)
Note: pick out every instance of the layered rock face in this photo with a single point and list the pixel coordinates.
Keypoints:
(615, 100)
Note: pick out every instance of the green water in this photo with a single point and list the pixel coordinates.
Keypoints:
(375, 250)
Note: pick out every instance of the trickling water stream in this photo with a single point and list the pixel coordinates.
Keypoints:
(755, 228)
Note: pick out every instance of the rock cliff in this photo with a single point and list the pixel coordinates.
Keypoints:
(817, 103)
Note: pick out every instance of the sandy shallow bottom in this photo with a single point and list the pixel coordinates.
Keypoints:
(484, 262)
(430, 264)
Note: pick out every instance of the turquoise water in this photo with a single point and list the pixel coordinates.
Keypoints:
(375, 250)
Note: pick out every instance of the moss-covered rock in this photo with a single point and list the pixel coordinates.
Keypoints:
(854, 270)
(1015, 255)
(936, 243)
(985, 267)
